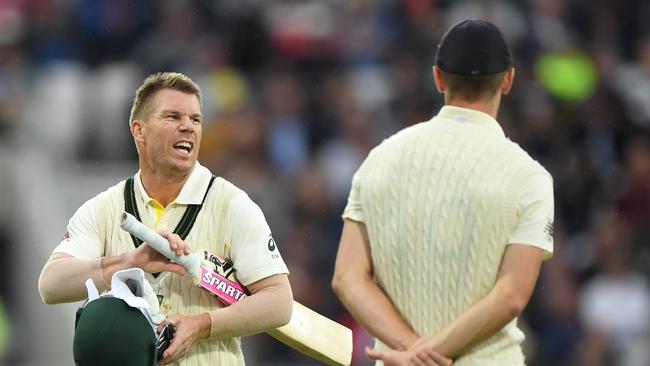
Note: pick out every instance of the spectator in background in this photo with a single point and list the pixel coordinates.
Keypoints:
(633, 84)
(615, 305)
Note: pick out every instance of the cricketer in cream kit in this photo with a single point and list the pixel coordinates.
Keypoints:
(230, 226)
(472, 192)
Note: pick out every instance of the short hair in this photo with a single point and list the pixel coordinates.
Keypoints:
(142, 104)
(472, 88)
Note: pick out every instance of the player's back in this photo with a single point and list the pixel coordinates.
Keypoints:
(440, 200)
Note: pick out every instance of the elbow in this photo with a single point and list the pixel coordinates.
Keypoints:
(48, 299)
(515, 305)
(288, 309)
(340, 280)
(49, 285)
(336, 285)
(282, 312)
(343, 281)
(285, 317)
(339, 283)
(284, 309)
(48, 295)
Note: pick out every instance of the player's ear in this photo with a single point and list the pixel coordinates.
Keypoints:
(137, 127)
(508, 80)
(440, 81)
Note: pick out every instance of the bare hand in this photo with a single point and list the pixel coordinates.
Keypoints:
(404, 358)
(176, 243)
(151, 261)
(187, 329)
(390, 357)
(429, 357)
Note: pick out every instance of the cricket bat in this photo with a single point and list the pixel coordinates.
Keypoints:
(308, 332)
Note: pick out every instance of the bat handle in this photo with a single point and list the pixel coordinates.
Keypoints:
(192, 262)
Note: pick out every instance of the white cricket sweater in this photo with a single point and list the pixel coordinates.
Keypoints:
(439, 201)
(180, 295)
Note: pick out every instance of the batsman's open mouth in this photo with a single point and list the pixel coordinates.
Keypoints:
(185, 147)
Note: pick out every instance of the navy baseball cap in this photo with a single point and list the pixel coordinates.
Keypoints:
(473, 48)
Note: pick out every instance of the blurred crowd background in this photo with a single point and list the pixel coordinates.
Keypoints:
(296, 93)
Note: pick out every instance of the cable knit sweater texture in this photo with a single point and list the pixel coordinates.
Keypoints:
(439, 200)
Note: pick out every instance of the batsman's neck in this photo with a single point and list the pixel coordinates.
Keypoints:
(489, 106)
(162, 188)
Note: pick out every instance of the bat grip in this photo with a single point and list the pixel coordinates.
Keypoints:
(192, 262)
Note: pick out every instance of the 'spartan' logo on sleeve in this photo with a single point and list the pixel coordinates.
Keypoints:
(271, 244)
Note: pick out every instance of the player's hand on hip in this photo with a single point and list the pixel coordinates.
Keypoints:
(187, 330)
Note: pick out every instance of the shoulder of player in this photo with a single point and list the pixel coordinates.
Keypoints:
(399, 138)
(406, 133)
(89, 207)
(525, 161)
(221, 186)
(224, 191)
(113, 192)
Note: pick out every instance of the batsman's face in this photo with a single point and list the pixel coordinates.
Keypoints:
(171, 135)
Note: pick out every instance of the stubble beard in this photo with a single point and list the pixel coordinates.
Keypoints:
(166, 167)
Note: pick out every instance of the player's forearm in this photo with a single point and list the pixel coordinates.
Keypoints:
(62, 278)
(269, 306)
(477, 324)
(507, 299)
(112, 264)
(370, 306)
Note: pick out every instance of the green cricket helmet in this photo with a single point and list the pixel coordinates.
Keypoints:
(109, 332)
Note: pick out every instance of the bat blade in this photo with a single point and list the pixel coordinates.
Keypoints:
(316, 336)
(308, 332)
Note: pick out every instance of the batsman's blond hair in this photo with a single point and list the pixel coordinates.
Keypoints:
(142, 103)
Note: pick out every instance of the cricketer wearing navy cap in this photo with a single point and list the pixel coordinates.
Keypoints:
(473, 47)
(448, 221)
